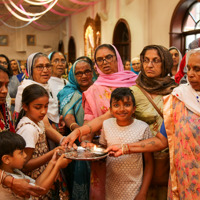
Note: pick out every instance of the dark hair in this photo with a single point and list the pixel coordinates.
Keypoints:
(109, 46)
(31, 93)
(119, 94)
(87, 59)
(4, 70)
(9, 142)
(9, 67)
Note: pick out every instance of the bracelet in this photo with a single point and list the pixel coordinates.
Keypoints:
(80, 134)
(61, 140)
(89, 128)
(2, 172)
(125, 149)
(70, 127)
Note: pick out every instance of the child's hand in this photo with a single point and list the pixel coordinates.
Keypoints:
(115, 150)
(62, 161)
(59, 148)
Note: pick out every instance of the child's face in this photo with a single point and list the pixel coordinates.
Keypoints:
(123, 111)
(37, 109)
(18, 159)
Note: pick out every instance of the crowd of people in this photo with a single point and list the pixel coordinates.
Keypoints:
(144, 112)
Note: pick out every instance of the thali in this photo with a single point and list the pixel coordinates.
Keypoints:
(85, 154)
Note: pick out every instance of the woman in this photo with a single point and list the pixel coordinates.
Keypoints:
(177, 57)
(180, 130)
(127, 65)
(153, 80)
(56, 82)
(96, 101)
(136, 65)
(80, 79)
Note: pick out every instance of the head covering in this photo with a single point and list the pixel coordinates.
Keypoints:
(9, 67)
(136, 58)
(122, 78)
(65, 95)
(30, 62)
(180, 56)
(162, 85)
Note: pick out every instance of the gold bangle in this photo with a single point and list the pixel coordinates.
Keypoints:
(70, 127)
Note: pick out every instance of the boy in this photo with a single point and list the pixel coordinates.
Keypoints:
(125, 178)
(12, 158)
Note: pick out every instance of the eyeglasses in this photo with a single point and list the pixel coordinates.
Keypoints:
(41, 67)
(3, 63)
(87, 72)
(153, 62)
(57, 61)
(108, 58)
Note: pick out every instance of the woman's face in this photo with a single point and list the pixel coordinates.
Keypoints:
(23, 68)
(58, 61)
(193, 72)
(175, 56)
(127, 66)
(42, 70)
(136, 64)
(83, 74)
(152, 64)
(3, 62)
(106, 61)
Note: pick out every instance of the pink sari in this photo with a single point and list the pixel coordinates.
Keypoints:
(183, 131)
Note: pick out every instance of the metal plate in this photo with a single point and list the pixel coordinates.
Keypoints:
(85, 154)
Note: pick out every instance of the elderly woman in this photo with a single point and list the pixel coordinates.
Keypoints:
(56, 82)
(136, 65)
(80, 79)
(180, 131)
(153, 83)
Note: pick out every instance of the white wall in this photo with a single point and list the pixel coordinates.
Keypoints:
(149, 22)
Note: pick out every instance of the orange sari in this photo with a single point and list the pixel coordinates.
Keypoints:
(183, 131)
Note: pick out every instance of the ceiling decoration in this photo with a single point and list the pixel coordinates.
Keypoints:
(40, 14)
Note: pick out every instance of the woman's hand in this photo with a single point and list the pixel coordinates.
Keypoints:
(68, 141)
(115, 150)
(22, 188)
(61, 125)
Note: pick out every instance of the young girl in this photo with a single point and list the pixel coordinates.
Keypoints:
(30, 126)
(125, 178)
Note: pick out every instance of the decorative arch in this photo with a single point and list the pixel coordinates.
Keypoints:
(177, 35)
(92, 35)
(71, 50)
(122, 39)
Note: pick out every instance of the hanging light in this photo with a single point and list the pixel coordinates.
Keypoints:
(35, 16)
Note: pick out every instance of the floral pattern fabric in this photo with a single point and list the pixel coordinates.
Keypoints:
(184, 144)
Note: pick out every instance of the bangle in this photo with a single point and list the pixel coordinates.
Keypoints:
(2, 172)
(80, 134)
(89, 128)
(70, 127)
(125, 149)
(61, 140)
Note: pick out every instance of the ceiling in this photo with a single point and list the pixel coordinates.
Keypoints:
(55, 16)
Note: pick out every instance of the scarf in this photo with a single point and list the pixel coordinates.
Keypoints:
(188, 96)
(164, 84)
(122, 78)
(180, 56)
(65, 95)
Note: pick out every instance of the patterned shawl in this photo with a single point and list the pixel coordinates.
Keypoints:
(164, 84)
